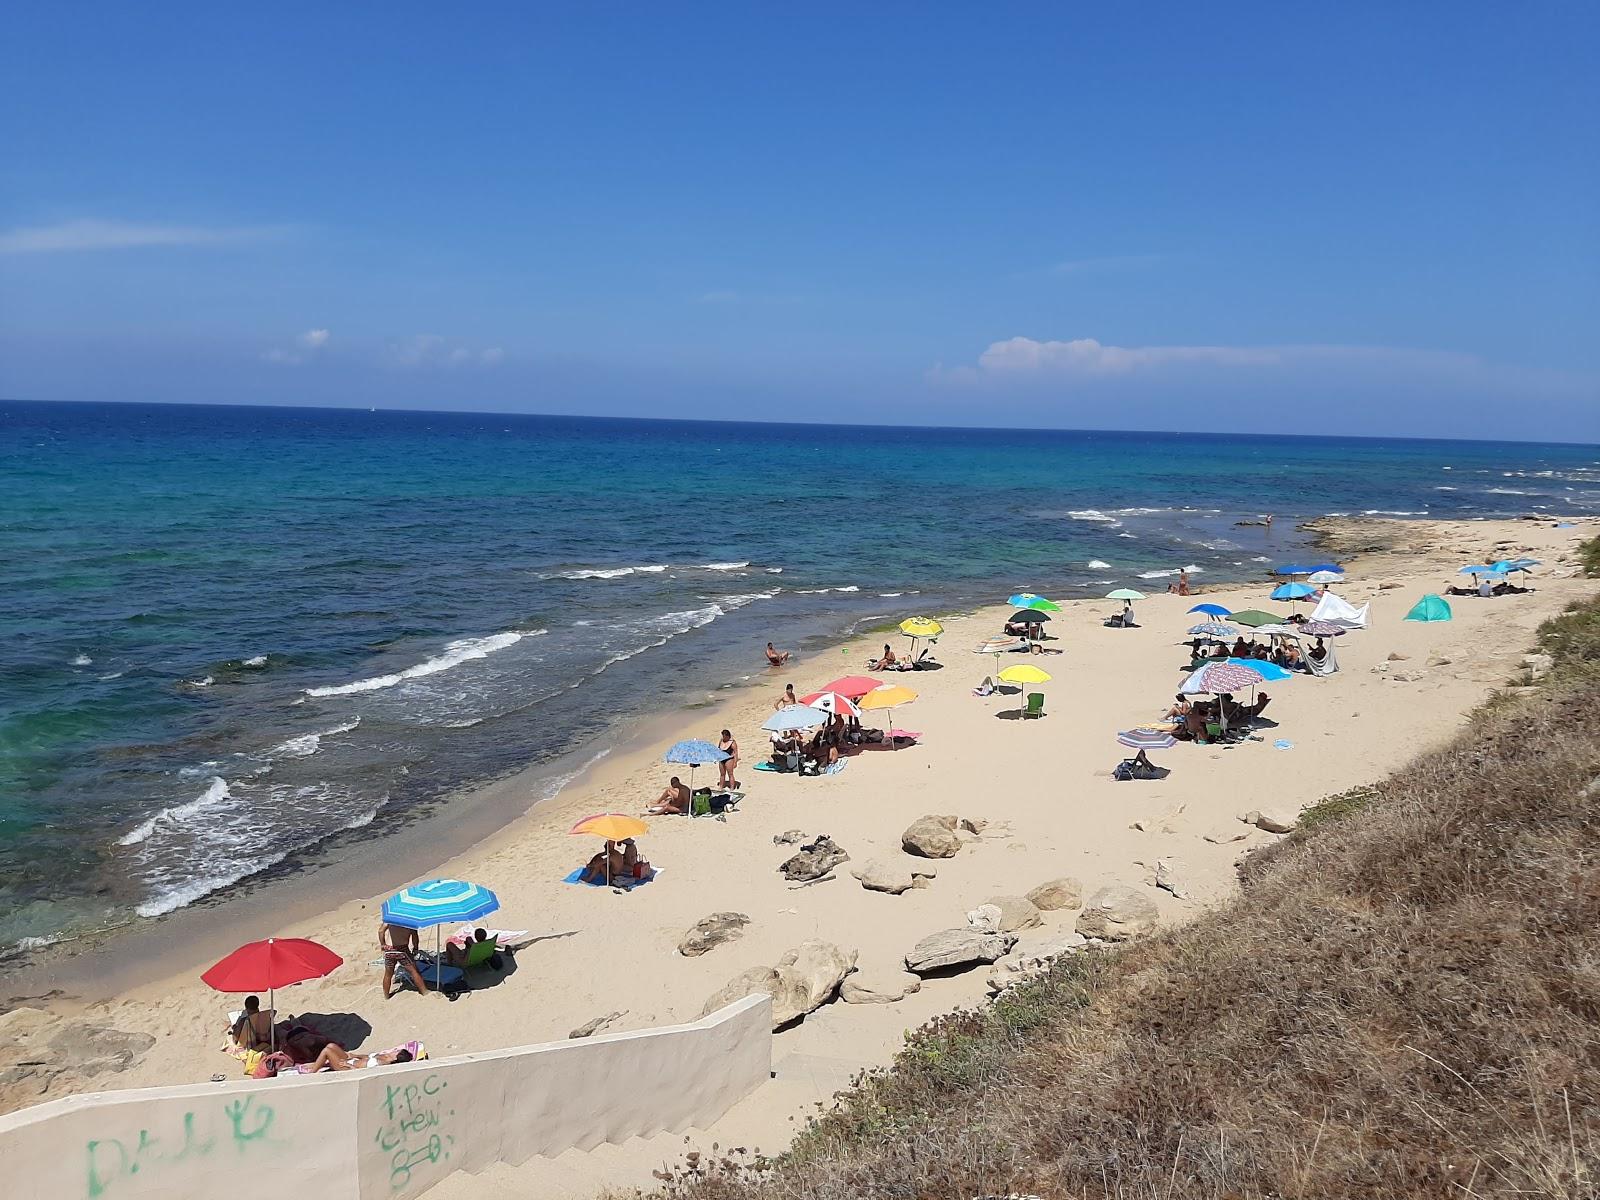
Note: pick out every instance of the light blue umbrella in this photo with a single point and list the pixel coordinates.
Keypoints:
(1333, 568)
(1507, 565)
(1293, 591)
(794, 716)
(438, 902)
(1214, 629)
(1476, 569)
(693, 753)
(1263, 668)
(1522, 564)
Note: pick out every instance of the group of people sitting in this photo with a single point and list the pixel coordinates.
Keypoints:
(1284, 653)
(298, 1047)
(616, 860)
(1193, 720)
(793, 751)
(890, 661)
(1485, 588)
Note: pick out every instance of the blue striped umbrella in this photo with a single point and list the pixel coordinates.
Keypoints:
(693, 753)
(1146, 739)
(438, 902)
(1214, 629)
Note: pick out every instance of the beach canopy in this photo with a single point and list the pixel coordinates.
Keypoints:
(1324, 577)
(269, 965)
(921, 627)
(692, 752)
(1125, 594)
(1214, 629)
(1430, 608)
(1024, 673)
(1270, 671)
(1029, 600)
(1215, 610)
(1293, 591)
(1337, 611)
(438, 901)
(614, 827)
(832, 702)
(1027, 616)
(852, 687)
(1218, 677)
(794, 716)
(1147, 739)
(1254, 617)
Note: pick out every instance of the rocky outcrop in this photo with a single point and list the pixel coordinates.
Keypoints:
(712, 931)
(932, 836)
(804, 979)
(1015, 913)
(878, 987)
(894, 874)
(1117, 912)
(814, 860)
(957, 948)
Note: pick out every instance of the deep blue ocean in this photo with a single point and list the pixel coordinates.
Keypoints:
(231, 633)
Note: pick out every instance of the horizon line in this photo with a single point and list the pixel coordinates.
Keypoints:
(437, 412)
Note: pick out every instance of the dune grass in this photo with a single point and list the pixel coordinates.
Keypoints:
(1404, 1001)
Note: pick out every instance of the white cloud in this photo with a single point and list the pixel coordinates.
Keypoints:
(314, 339)
(306, 347)
(92, 234)
(430, 350)
(1085, 356)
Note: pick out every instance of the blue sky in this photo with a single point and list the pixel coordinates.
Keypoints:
(1373, 218)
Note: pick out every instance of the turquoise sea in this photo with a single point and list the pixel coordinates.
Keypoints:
(233, 634)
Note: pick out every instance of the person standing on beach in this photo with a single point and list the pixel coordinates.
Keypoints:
(399, 946)
(729, 745)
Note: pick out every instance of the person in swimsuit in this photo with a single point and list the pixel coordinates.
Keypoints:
(335, 1057)
(788, 698)
(729, 745)
(399, 946)
(776, 657)
(673, 801)
(253, 1029)
(884, 663)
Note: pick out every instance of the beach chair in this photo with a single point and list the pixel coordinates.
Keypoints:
(1035, 705)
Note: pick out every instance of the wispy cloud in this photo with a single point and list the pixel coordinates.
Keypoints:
(431, 350)
(91, 234)
(1108, 262)
(306, 346)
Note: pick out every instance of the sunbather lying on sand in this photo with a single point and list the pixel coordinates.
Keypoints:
(673, 801)
(334, 1057)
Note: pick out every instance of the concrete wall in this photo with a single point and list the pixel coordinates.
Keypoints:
(389, 1132)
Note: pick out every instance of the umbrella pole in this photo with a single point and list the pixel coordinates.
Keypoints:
(272, 1018)
(438, 956)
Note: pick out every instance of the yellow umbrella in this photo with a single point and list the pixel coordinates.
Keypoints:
(920, 627)
(888, 696)
(1023, 673)
(614, 827)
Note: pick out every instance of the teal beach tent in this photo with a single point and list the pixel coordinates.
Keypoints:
(1430, 608)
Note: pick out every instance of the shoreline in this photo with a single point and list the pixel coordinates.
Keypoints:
(1042, 785)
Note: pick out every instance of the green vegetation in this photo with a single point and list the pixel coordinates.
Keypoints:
(1404, 1001)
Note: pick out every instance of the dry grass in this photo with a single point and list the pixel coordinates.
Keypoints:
(1403, 1002)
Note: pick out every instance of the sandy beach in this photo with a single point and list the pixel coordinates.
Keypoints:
(1044, 788)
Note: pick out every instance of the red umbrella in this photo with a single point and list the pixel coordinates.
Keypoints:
(852, 687)
(832, 702)
(269, 965)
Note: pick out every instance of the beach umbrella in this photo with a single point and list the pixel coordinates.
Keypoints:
(1028, 616)
(1020, 674)
(1215, 610)
(1147, 739)
(1254, 617)
(1213, 629)
(920, 627)
(1029, 600)
(1218, 677)
(1293, 569)
(693, 753)
(1522, 564)
(269, 965)
(890, 696)
(852, 687)
(435, 903)
(832, 702)
(998, 645)
(1321, 629)
(1125, 594)
(1270, 671)
(1293, 591)
(1476, 569)
(1328, 568)
(1430, 608)
(1324, 577)
(1273, 631)
(614, 827)
(795, 716)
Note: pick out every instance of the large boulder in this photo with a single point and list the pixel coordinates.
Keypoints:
(957, 948)
(710, 932)
(1057, 894)
(878, 987)
(894, 874)
(1117, 912)
(804, 979)
(932, 836)
(814, 860)
(1015, 913)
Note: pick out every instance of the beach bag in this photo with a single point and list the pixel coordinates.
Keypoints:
(700, 804)
(1123, 771)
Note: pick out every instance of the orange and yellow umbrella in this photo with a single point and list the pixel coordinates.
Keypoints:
(889, 696)
(614, 827)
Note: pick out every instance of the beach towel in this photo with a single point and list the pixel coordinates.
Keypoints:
(767, 766)
(505, 939)
(626, 882)
(835, 768)
(1327, 666)
(904, 735)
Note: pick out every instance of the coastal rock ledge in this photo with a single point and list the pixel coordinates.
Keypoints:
(1116, 913)
(957, 948)
(804, 979)
(933, 836)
